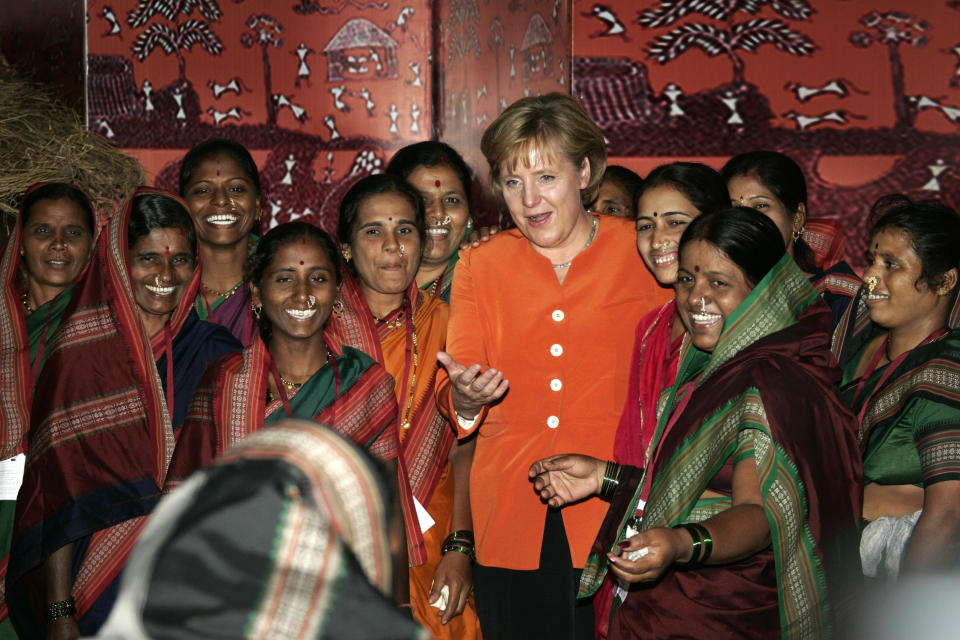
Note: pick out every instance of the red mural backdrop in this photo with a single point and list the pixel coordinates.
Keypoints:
(320, 91)
(864, 94)
(490, 54)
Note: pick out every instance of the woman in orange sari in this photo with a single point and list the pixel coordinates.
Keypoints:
(383, 313)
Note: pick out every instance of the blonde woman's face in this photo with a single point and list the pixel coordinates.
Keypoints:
(542, 192)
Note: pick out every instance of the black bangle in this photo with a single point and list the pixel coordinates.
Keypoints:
(611, 480)
(62, 609)
(464, 534)
(460, 547)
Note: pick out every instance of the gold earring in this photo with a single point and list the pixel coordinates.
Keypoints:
(796, 234)
(256, 310)
(347, 254)
(338, 307)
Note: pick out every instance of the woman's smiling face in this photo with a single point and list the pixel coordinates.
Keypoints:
(710, 287)
(662, 215)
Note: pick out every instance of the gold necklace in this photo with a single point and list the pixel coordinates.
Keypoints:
(26, 305)
(222, 294)
(413, 381)
(433, 288)
(293, 386)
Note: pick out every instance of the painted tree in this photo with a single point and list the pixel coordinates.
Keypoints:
(730, 37)
(893, 28)
(176, 41)
(169, 9)
(495, 43)
(266, 32)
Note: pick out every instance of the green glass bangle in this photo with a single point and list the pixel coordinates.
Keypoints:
(696, 532)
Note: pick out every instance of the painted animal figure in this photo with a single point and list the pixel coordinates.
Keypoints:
(839, 87)
(612, 24)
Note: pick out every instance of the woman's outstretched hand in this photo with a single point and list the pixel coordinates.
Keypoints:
(568, 478)
(471, 386)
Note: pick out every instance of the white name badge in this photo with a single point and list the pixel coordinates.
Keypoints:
(11, 476)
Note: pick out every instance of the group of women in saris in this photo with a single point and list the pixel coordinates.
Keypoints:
(739, 473)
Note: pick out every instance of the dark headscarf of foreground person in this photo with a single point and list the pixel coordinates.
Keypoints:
(118, 378)
(284, 536)
(901, 375)
(45, 256)
(550, 305)
(744, 523)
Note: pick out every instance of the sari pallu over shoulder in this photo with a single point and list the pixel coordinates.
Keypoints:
(99, 447)
(426, 442)
(230, 403)
(764, 393)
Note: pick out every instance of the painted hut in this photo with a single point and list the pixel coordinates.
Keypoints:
(361, 50)
(536, 51)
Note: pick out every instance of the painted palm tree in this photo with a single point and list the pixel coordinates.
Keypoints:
(169, 9)
(731, 36)
(176, 41)
(266, 32)
(893, 29)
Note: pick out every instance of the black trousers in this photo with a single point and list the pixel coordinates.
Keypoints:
(528, 605)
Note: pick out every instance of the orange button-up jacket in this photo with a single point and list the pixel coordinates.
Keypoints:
(566, 350)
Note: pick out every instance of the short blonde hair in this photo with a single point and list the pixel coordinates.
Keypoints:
(555, 121)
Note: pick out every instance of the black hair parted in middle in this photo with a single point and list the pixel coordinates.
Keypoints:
(159, 211)
(750, 239)
(278, 237)
(371, 186)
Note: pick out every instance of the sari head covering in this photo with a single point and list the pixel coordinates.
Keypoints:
(284, 536)
(99, 447)
(766, 392)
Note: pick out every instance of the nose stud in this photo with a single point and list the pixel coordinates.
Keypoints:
(703, 305)
(402, 251)
(871, 282)
(312, 300)
(156, 280)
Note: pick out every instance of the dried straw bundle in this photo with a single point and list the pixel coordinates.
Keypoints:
(42, 140)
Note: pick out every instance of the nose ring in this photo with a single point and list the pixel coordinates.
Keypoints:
(446, 220)
(312, 300)
(402, 251)
(156, 280)
(703, 305)
(871, 282)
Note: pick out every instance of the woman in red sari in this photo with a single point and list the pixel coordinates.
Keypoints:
(289, 370)
(132, 350)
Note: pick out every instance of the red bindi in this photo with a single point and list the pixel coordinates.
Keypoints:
(218, 172)
(303, 241)
(436, 183)
(166, 251)
(696, 268)
(301, 263)
(389, 219)
(654, 214)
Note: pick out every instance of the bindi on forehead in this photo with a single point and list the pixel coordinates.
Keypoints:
(696, 268)
(436, 183)
(166, 251)
(301, 263)
(654, 214)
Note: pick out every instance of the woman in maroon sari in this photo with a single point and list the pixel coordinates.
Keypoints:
(132, 350)
(743, 522)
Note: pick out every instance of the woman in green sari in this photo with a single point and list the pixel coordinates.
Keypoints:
(901, 374)
(44, 257)
(743, 522)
